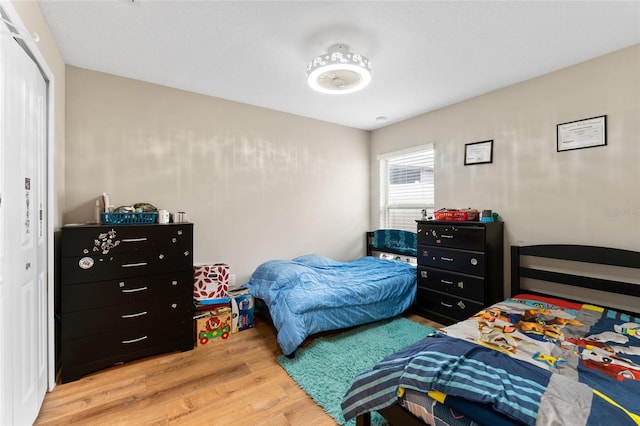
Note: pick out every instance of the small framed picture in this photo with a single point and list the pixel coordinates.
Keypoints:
(478, 153)
(580, 134)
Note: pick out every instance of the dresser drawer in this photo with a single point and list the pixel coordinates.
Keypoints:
(97, 321)
(135, 290)
(101, 268)
(82, 356)
(122, 343)
(447, 305)
(469, 262)
(103, 240)
(468, 286)
(451, 236)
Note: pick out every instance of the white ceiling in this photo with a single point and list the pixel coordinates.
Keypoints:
(425, 54)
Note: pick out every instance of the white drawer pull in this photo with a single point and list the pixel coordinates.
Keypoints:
(139, 339)
(133, 240)
(448, 259)
(446, 236)
(134, 290)
(133, 265)
(139, 314)
(446, 305)
(446, 282)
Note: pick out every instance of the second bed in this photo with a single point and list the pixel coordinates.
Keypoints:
(312, 293)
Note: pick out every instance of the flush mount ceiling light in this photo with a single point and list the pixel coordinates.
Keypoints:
(339, 71)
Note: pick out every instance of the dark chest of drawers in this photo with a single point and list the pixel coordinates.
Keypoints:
(124, 292)
(460, 268)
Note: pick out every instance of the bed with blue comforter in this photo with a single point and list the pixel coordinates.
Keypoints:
(531, 359)
(312, 294)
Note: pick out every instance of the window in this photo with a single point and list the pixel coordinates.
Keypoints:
(406, 187)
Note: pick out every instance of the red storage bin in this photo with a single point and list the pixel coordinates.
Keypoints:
(210, 281)
(457, 215)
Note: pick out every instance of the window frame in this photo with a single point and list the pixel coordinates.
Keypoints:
(384, 207)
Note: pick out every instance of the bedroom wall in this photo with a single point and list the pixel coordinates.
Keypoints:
(257, 183)
(587, 196)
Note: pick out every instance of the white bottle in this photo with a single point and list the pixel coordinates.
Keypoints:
(96, 212)
(106, 201)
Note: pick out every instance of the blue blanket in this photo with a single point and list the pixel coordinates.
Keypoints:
(312, 293)
(535, 362)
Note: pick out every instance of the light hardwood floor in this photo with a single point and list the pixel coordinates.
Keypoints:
(230, 382)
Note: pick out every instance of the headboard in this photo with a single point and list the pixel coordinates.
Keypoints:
(575, 253)
(394, 241)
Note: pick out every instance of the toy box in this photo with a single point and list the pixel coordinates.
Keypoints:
(241, 310)
(210, 281)
(213, 324)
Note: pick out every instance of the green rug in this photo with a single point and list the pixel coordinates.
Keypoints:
(327, 367)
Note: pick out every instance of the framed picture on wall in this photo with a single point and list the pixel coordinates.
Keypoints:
(579, 134)
(478, 152)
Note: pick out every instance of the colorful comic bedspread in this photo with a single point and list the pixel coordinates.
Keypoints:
(536, 360)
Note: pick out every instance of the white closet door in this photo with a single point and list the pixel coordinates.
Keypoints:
(23, 235)
(5, 389)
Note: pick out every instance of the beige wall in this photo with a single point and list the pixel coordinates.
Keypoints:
(235, 169)
(588, 196)
(257, 183)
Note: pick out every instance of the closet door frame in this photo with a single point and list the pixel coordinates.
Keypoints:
(31, 46)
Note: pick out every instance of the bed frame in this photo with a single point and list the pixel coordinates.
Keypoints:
(371, 247)
(576, 253)
(396, 415)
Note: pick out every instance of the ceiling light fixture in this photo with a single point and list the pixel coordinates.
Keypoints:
(339, 71)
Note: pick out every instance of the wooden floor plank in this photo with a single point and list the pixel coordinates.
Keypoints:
(226, 382)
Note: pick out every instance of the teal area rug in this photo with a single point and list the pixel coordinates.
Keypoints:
(327, 367)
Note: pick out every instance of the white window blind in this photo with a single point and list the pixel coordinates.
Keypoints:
(406, 187)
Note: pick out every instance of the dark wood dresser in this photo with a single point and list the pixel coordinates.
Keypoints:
(125, 292)
(460, 268)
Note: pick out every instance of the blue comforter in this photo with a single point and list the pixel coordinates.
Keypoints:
(312, 293)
